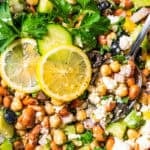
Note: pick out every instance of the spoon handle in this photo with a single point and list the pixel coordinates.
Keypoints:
(135, 46)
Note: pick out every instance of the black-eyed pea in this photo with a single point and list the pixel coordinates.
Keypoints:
(105, 70)
(79, 127)
(59, 137)
(81, 115)
(55, 121)
(115, 66)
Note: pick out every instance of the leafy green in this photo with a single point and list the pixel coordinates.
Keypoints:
(7, 35)
(121, 58)
(91, 26)
(122, 100)
(83, 3)
(104, 49)
(70, 146)
(34, 25)
(5, 13)
(86, 137)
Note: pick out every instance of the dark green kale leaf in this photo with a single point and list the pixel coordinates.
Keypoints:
(86, 137)
(34, 25)
(83, 3)
(5, 15)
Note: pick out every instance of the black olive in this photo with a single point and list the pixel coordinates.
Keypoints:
(104, 5)
(115, 49)
(96, 58)
(10, 116)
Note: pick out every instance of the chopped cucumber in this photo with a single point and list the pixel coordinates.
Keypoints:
(45, 6)
(134, 119)
(57, 35)
(117, 129)
(70, 129)
(5, 129)
(141, 3)
(6, 145)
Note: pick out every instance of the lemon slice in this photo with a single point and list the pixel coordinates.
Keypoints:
(64, 72)
(18, 63)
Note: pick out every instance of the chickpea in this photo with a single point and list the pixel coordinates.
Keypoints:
(18, 145)
(94, 144)
(128, 4)
(98, 133)
(109, 107)
(55, 121)
(79, 127)
(146, 72)
(3, 91)
(134, 91)
(132, 134)
(49, 109)
(144, 98)
(122, 90)
(81, 115)
(64, 111)
(59, 137)
(115, 66)
(102, 89)
(32, 2)
(130, 81)
(109, 144)
(54, 146)
(102, 40)
(105, 70)
(7, 101)
(27, 118)
(16, 104)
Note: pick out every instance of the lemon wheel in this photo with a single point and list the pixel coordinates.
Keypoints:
(18, 65)
(64, 72)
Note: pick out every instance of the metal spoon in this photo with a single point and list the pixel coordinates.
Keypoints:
(131, 56)
(135, 48)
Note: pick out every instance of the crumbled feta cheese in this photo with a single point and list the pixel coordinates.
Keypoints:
(94, 98)
(68, 119)
(125, 42)
(119, 144)
(44, 138)
(125, 70)
(73, 136)
(109, 83)
(144, 142)
(113, 19)
(44, 130)
(119, 77)
(99, 113)
(145, 130)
